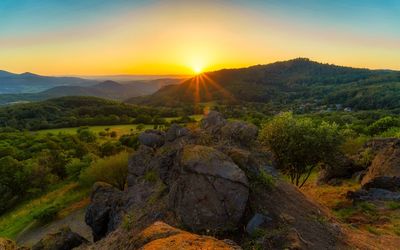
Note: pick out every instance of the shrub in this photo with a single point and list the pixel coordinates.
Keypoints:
(47, 214)
(383, 125)
(110, 148)
(86, 135)
(299, 144)
(112, 170)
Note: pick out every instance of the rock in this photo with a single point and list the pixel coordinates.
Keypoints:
(175, 132)
(6, 244)
(152, 138)
(213, 122)
(343, 168)
(210, 192)
(64, 239)
(256, 222)
(239, 132)
(103, 214)
(139, 163)
(373, 194)
(384, 182)
(164, 237)
(386, 161)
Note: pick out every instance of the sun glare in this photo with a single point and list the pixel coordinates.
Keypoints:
(197, 69)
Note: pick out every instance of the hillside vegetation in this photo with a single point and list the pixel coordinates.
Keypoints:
(299, 82)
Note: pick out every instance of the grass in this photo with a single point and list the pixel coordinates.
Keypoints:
(15, 221)
(120, 129)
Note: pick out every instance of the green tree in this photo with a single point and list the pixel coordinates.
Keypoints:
(299, 144)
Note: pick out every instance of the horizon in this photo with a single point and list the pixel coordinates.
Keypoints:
(161, 76)
(96, 37)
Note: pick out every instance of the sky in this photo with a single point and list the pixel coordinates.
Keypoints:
(102, 37)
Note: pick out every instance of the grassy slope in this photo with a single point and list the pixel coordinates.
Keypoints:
(15, 221)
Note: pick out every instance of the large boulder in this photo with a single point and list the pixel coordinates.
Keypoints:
(104, 213)
(384, 182)
(386, 162)
(210, 192)
(164, 237)
(175, 132)
(139, 163)
(342, 167)
(152, 138)
(239, 132)
(213, 122)
(64, 239)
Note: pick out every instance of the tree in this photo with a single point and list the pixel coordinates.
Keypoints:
(299, 144)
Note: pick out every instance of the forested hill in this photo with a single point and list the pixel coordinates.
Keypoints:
(295, 82)
(75, 111)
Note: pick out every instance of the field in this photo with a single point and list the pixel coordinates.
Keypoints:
(119, 129)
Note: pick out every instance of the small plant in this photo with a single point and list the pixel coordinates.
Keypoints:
(129, 220)
(372, 230)
(266, 179)
(151, 176)
(47, 214)
(393, 205)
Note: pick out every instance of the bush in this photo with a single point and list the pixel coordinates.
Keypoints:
(75, 166)
(299, 144)
(86, 135)
(47, 214)
(112, 170)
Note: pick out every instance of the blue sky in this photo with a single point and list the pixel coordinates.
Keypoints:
(34, 34)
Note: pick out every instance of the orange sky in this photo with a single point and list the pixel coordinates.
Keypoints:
(174, 37)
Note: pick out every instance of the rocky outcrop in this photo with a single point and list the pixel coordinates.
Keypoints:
(342, 167)
(175, 132)
(386, 162)
(152, 138)
(65, 239)
(164, 237)
(104, 213)
(384, 182)
(373, 194)
(198, 179)
(210, 192)
(239, 132)
(213, 122)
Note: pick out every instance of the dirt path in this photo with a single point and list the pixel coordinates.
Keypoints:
(75, 220)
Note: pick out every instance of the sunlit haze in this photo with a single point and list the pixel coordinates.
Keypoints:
(97, 37)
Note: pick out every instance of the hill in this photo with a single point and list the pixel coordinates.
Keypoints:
(74, 111)
(31, 83)
(295, 82)
(107, 89)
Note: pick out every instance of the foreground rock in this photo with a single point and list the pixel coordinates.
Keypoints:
(206, 180)
(210, 192)
(65, 239)
(386, 162)
(164, 237)
(104, 214)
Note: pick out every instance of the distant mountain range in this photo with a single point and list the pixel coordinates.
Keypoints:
(297, 82)
(27, 87)
(30, 83)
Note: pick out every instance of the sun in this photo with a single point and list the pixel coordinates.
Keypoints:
(197, 69)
